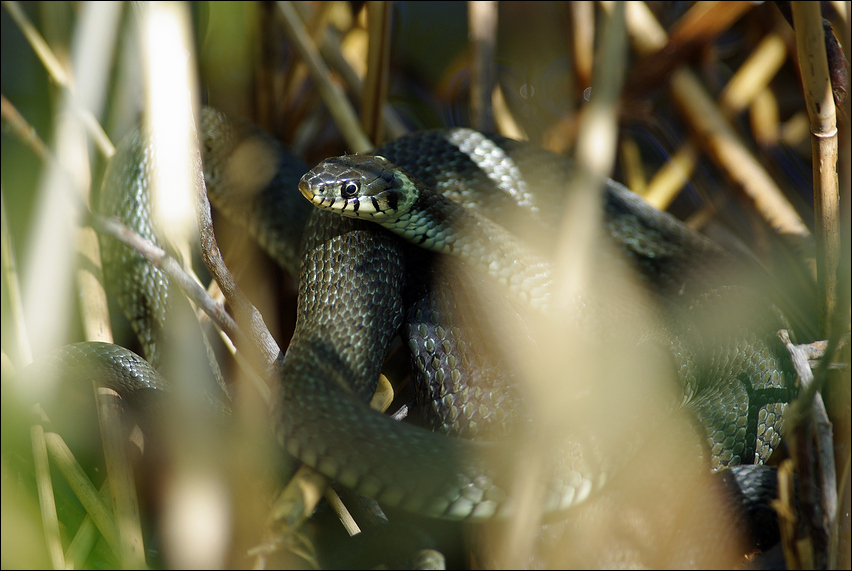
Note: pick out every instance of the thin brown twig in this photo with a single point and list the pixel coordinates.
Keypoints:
(161, 259)
(40, 47)
(25, 132)
(315, 24)
(246, 313)
(376, 80)
(57, 72)
(338, 105)
(667, 182)
(330, 49)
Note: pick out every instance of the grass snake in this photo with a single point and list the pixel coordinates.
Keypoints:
(361, 286)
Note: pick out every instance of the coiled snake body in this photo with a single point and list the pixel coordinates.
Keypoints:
(355, 295)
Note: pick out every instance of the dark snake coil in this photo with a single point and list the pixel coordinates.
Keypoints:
(361, 286)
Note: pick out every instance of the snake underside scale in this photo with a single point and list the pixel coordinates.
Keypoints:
(361, 286)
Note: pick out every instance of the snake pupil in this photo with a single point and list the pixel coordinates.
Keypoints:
(350, 188)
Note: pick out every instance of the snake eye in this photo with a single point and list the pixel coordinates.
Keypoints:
(350, 188)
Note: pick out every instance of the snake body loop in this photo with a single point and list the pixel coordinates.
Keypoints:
(358, 290)
(157, 311)
(742, 376)
(250, 180)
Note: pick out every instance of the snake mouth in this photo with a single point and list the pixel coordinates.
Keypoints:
(319, 197)
(305, 189)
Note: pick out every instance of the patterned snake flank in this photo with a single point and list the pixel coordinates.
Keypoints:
(356, 293)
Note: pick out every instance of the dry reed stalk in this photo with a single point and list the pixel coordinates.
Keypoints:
(713, 132)
(810, 43)
(376, 81)
(336, 102)
(93, 304)
(482, 21)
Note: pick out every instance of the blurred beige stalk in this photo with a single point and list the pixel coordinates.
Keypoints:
(601, 393)
(197, 504)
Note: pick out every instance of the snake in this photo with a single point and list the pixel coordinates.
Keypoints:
(693, 279)
(362, 285)
(371, 188)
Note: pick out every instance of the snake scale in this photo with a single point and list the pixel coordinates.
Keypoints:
(361, 286)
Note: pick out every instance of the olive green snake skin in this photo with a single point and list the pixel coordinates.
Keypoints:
(360, 287)
(371, 188)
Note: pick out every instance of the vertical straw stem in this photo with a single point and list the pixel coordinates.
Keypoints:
(810, 44)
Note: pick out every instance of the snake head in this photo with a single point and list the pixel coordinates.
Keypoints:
(359, 186)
